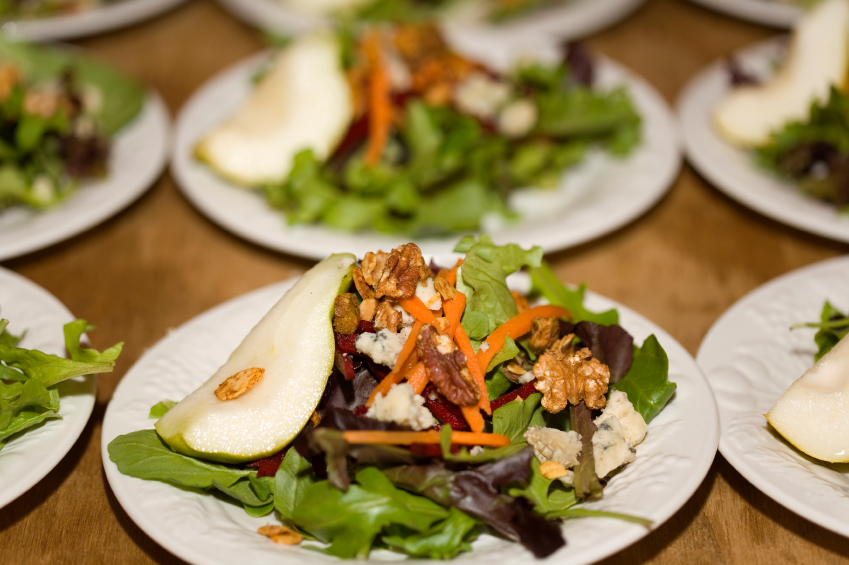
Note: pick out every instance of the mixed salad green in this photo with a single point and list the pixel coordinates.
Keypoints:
(833, 326)
(29, 378)
(58, 113)
(432, 500)
(496, 11)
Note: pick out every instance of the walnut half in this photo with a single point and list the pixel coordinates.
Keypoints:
(567, 376)
(394, 275)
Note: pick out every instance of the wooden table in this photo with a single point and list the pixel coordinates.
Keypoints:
(159, 263)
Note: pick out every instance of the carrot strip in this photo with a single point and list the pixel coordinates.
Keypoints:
(473, 417)
(418, 378)
(462, 341)
(380, 102)
(516, 327)
(397, 373)
(454, 312)
(429, 437)
(452, 275)
(416, 308)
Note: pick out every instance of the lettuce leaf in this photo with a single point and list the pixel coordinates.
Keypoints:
(444, 540)
(647, 383)
(546, 283)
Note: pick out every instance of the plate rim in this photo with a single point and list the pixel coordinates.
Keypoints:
(45, 465)
(183, 167)
(773, 14)
(808, 512)
(629, 535)
(156, 111)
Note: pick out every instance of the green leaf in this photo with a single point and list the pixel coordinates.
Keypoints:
(49, 369)
(25, 419)
(242, 491)
(584, 112)
(536, 491)
(513, 419)
(73, 333)
(571, 513)
(291, 482)
(144, 455)
(497, 385)
(160, 409)
(647, 381)
(444, 540)
(475, 324)
(506, 353)
(545, 282)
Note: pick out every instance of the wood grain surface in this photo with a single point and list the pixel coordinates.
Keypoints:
(159, 263)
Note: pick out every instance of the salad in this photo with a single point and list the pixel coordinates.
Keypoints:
(58, 113)
(40, 8)
(408, 406)
(393, 130)
(28, 378)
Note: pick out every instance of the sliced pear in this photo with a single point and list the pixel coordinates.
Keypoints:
(818, 58)
(274, 379)
(813, 414)
(302, 102)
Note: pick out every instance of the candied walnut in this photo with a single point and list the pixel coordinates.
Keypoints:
(283, 535)
(514, 369)
(372, 269)
(394, 274)
(447, 371)
(367, 309)
(360, 283)
(386, 317)
(346, 314)
(238, 384)
(417, 41)
(553, 470)
(544, 332)
(521, 301)
(441, 324)
(567, 376)
(444, 288)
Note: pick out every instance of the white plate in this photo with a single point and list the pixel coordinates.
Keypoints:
(97, 20)
(138, 155)
(30, 455)
(733, 170)
(767, 12)
(571, 20)
(597, 197)
(751, 357)
(204, 530)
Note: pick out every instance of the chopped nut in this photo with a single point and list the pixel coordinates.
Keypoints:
(362, 286)
(346, 314)
(372, 268)
(386, 317)
(315, 418)
(444, 344)
(444, 288)
(521, 301)
(567, 376)
(395, 274)
(552, 470)
(447, 371)
(515, 368)
(544, 332)
(238, 384)
(441, 324)
(551, 444)
(367, 309)
(283, 535)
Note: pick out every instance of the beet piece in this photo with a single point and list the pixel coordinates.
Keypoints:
(345, 343)
(344, 363)
(523, 391)
(267, 467)
(366, 327)
(443, 410)
(427, 449)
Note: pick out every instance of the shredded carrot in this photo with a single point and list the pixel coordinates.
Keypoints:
(416, 308)
(516, 327)
(397, 373)
(454, 312)
(473, 417)
(452, 275)
(462, 341)
(418, 378)
(431, 437)
(380, 102)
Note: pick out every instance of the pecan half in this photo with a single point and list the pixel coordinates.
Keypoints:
(283, 535)
(544, 332)
(360, 283)
(346, 314)
(444, 288)
(238, 384)
(386, 317)
(447, 371)
(395, 274)
(567, 376)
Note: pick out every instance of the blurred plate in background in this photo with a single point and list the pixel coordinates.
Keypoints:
(768, 12)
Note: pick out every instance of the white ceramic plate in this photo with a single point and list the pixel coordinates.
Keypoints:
(571, 20)
(751, 357)
(768, 12)
(33, 453)
(97, 20)
(597, 197)
(733, 170)
(204, 530)
(138, 155)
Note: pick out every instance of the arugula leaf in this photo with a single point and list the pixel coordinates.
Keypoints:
(571, 513)
(833, 326)
(49, 369)
(74, 332)
(545, 282)
(160, 409)
(513, 419)
(507, 352)
(444, 540)
(242, 491)
(144, 455)
(292, 480)
(7, 338)
(25, 419)
(647, 382)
